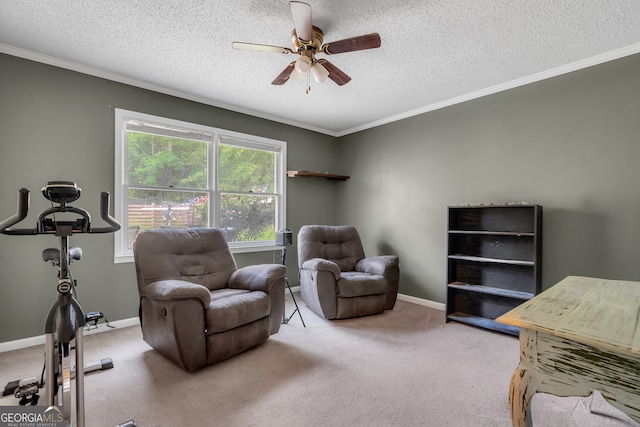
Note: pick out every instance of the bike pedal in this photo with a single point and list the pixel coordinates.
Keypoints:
(93, 316)
(31, 400)
(10, 387)
(106, 363)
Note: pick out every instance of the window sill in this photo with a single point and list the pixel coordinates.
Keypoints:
(123, 259)
(246, 249)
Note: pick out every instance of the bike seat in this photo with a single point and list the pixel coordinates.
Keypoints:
(53, 254)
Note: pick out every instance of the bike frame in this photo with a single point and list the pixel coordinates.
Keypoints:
(64, 324)
(66, 319)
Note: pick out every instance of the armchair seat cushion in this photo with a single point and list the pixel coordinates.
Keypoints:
(231, 308)
(226, 292)
(356, 284)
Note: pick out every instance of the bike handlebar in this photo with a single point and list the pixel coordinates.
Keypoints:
(114, 225)
(23, 209)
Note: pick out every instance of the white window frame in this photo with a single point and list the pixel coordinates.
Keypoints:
(123, 254)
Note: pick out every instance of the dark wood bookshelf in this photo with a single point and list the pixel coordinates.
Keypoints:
(494, 261)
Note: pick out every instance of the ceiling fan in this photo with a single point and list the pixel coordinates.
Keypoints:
(307, 42)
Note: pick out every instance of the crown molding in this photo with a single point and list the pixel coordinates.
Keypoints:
(554, 72)
(120, 78)
(97, 72)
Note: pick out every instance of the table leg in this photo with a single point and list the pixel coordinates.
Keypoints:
(524, 381)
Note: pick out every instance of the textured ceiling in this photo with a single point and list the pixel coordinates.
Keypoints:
(433, 52)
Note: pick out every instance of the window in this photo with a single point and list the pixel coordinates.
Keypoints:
(173, 174)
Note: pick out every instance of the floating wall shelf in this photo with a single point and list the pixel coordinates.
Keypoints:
(306, 174)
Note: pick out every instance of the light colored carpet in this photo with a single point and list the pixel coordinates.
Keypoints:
(405, 367)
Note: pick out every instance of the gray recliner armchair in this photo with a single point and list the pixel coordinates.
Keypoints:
(337, 281)
(196, 306)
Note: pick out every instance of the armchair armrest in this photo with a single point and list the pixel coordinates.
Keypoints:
(319, 264)
(379, 265)
(176, 290)
(260, 277)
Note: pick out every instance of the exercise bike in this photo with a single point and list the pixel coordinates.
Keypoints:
(66, 319)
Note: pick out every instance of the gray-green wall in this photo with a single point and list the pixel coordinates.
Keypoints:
(57, 124)
(569, 143)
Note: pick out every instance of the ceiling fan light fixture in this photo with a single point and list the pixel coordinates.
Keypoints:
(319, 72)
(298, 77)
(303, 64)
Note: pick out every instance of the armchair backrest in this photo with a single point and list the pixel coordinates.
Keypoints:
(197, 255)
(340, 244)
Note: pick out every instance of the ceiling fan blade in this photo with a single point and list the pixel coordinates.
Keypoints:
(368, 41)
(301, 13)
(284, 75)
(335, 73)
(260, 47)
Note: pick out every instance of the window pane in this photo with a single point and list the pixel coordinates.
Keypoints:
(246, 170)
(171, 173)
(246, 218)
(162, 161)
(166, 209)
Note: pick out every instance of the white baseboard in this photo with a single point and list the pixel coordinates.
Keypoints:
(38, 340)
(424, 302)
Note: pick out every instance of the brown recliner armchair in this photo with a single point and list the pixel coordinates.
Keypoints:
(196, 306)
(337, 281)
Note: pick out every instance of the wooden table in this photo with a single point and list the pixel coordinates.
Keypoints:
(581, 334)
